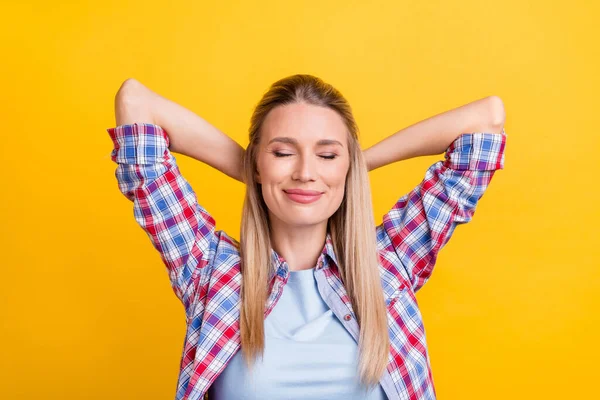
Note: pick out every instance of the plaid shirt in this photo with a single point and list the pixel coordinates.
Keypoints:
(203, 264)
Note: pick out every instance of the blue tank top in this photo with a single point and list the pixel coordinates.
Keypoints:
(308, 353)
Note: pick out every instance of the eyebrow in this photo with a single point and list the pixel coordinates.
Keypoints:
(290, 140)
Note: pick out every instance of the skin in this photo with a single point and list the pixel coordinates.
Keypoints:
(298, 230)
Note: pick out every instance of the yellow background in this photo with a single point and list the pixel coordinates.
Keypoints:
(86, 309)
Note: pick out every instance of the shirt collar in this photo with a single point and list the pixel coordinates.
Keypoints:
(280, 267)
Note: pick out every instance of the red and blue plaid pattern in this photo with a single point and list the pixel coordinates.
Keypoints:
(204, 264)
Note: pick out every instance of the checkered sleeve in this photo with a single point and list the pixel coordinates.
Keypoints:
(422, 221)
(164, 204)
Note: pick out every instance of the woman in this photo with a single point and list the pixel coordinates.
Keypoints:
(310, 267)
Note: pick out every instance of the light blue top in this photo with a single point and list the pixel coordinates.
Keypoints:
(308, 353)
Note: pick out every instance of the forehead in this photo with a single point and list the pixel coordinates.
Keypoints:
(304, 122)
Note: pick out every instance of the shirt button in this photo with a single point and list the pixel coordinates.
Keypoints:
(347, 317)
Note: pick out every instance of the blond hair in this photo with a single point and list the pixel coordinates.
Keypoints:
(352, 230)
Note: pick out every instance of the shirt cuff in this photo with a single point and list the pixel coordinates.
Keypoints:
(477, 151)
(138, 143)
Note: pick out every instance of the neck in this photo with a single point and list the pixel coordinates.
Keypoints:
(300, 247)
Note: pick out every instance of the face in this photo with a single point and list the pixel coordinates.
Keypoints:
(302, 148)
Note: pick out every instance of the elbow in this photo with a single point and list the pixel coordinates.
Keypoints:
(496, 110)
(127, 91)
(130, 105)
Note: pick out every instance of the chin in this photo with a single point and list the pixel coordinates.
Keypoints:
(303, 221)
(298, 220)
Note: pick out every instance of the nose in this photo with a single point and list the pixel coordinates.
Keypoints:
(305, 169)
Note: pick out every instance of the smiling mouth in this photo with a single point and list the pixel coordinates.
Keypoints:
(303, 198)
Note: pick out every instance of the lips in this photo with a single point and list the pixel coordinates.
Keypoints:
(303, 196)
(303, 192)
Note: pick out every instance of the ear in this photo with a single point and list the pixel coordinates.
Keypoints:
(257, 177)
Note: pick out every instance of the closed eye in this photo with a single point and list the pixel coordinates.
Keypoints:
(328, 157)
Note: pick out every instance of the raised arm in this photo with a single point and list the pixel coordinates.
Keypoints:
(434, 135)
(164, 203)
(189, 133)
(421, 222)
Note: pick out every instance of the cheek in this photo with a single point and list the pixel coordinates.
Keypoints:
(336, 177)
(267, 171)
(272, 173)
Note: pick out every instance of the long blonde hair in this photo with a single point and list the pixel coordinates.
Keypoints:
(352, 230)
